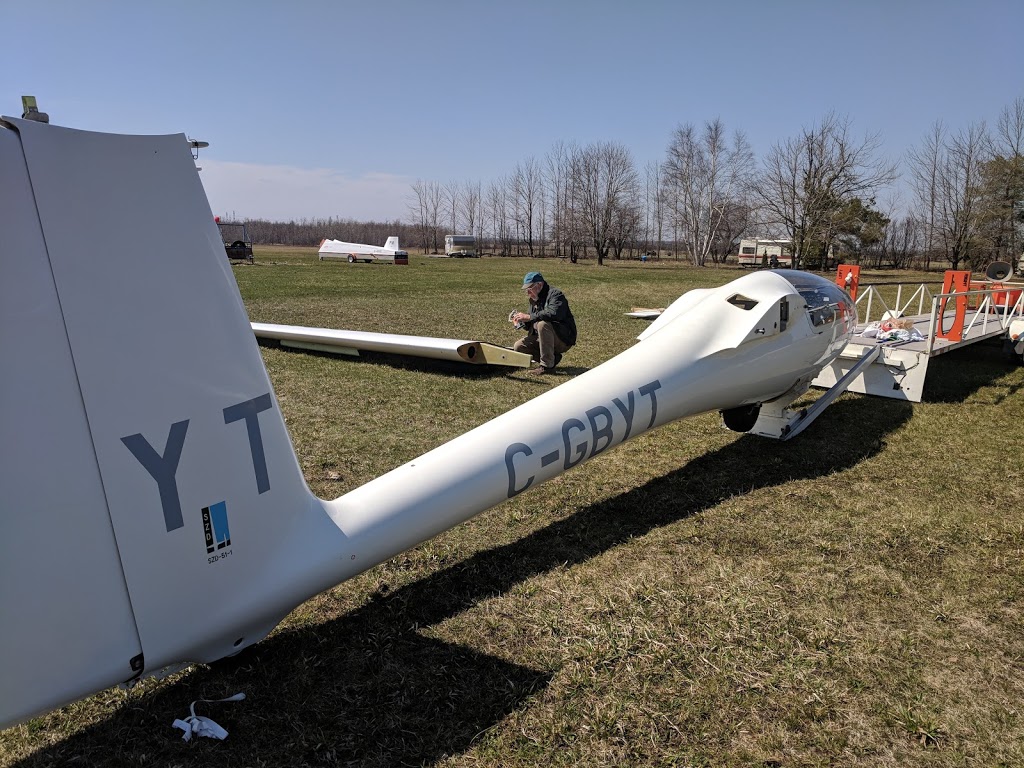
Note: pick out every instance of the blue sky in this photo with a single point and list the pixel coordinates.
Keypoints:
(316, 109)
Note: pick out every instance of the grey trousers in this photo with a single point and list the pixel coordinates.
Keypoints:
(542, 344)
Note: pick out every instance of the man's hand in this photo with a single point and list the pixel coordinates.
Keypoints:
(519, 317)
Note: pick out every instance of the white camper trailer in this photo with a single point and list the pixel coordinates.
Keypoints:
(460, 246)
(390, 253)
(765, 253)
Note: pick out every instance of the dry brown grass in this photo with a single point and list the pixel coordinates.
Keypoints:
(692, 598)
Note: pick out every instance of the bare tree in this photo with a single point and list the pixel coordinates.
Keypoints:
(1008, 172)
(605, 192)
(706, 173)
(497, 210)
(556, 178)
(418, 210)
(924, 164)
(959, 193)
(435, 207)
(808, 179)
(625, 229)
(542, 214)
(312, 232)
(451, 194)
(472, 202)
(903, 239)
(654, 207)
(526, 184)
(737, 219)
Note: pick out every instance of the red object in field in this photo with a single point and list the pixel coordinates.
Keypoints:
(973, 302)
(848, 278)
(954, 281)
(1000, 299)
(216, 219)
(998, 296)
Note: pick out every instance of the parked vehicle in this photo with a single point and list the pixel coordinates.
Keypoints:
(765, 253)
(460, 246)
(237, 244)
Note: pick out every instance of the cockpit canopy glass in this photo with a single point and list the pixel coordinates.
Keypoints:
(826, 301)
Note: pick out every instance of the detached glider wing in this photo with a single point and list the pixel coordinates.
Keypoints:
(353, 252)
(154, 511)
(350, 342)
(645, 313)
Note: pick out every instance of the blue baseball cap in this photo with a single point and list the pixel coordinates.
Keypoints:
(531, 278)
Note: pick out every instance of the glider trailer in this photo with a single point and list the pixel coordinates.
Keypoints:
(353, 252)
(964, 311)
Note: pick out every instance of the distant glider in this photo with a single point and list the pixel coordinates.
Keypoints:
(154, 510)
(390, 253)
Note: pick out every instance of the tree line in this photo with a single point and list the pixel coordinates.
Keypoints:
(311, 232)
(818, 188)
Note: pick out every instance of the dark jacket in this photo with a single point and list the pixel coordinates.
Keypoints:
(551, 305)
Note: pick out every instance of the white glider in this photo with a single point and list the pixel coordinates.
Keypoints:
(353, 252)
(154, 509)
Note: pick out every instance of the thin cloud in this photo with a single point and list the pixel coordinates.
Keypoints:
(288, 193)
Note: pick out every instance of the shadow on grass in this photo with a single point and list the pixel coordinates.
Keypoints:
(426, 364)
(369, 689)
(986, 368)
(849, 432)
(568, 371)
(552, 378)
(405, 363)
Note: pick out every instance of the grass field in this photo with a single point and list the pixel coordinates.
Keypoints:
(695, 597)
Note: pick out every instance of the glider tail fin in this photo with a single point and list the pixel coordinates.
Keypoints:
(136, 378)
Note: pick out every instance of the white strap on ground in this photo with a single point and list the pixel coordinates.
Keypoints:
(196, 725)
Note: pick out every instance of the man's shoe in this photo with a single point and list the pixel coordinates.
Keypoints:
(540, 370)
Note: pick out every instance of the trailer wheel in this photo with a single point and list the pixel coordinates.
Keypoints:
(351, 259)
(741, 419)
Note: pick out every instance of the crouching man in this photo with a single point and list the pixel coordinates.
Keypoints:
(550, 325)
